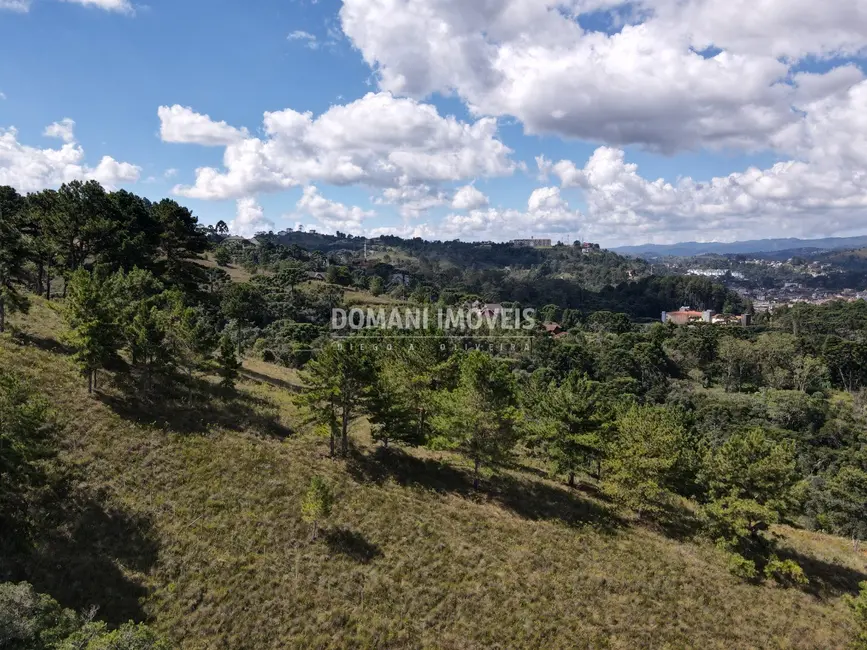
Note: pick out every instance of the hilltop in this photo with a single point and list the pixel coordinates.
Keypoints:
(188, 517)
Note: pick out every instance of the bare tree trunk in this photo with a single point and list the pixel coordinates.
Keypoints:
(345, 430)
(48, 282)
(315, 529)
(2, 314)
(476, 474)
(571, 479)
(90, 382)
(239, 339)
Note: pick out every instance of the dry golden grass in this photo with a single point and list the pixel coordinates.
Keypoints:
(236, 273)
(364, 299)
(411, 557)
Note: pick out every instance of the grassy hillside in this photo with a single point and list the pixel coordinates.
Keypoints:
(189, 516)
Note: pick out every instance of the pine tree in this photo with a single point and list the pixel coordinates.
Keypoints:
(222, 256)
(844, 503)
(146, 337)
(389, 415)
(13, 255)
(180, 241)
(139, 297)
(570, 424)
(641, 464)
(190, 337)
(229, 364)
(317, 503)
(338, 382)
(243, 303)
(478, 417)
(749, 479)
(93, 330)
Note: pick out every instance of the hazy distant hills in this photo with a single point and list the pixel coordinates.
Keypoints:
(689, 249)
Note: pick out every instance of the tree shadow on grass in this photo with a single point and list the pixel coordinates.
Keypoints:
(827, 579)
(528, 498)
(353, 545)
(191, 406)
(46, 344)
(676, 522)
(266, 379)
(536, 500)
(77, 551)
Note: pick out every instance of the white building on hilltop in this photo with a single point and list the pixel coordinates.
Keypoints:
(532, 243)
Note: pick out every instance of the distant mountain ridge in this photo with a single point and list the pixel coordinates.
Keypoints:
(689, 249)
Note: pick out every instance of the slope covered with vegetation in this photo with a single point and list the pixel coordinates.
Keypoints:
(189, 517)
(184, 442)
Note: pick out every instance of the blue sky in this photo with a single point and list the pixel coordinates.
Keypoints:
(629, 82)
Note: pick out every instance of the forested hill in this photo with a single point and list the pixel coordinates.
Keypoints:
(586, 264)
(187, 445)
(578, 277)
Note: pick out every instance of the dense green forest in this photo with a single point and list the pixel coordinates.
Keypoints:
(711, 435)
(569, 276)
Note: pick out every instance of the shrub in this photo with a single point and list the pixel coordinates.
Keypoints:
(317, 502)
(32, 621)
(858, 605)
(742, 567)
(787, 572)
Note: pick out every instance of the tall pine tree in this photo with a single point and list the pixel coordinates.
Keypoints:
(478, 417)
(13, 254)
(93, 330)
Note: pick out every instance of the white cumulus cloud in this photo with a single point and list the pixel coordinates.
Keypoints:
(250, 218)
(183, 125)
(331, 214)
(547, 214)
(378, 140)
(119, 6)
(794, 197)
(413, 200)
(678, 74)
(64, 129)
(30, 169)
(469, 198)
(20, 6)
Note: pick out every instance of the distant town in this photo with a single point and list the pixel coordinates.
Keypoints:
(769, 282)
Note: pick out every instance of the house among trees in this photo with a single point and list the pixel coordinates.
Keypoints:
(488, 310)
(554, 330)
(400, 278)
(686, 316)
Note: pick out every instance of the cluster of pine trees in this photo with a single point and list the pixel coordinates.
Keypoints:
(750, 425)
(126, 270)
